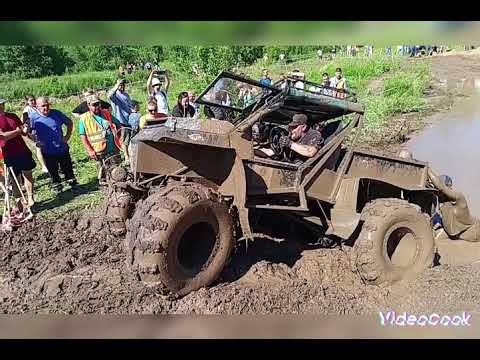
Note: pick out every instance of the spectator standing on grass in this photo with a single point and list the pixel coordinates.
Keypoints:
(121, 71)
(46, 125)
(183, 107)
(283, 81)
(339, 83)
(349, 50)
(98, 131)
(266, 79)
(16, 155)
(121, 109)
(152, 117)
(134, 118)
(134, 123)
(326, 86)
(191, 99)
(159, 90)
(82, 108)
(30, 109)
(299, 78)
(325, 80)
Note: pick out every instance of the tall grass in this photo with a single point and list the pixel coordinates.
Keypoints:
(64, 85)
(402, 92)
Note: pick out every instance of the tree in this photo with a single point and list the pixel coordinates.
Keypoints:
(33, 61)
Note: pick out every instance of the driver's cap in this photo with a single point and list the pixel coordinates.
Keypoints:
(298, 119)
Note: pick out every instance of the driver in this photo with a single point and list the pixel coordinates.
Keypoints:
(302, 143)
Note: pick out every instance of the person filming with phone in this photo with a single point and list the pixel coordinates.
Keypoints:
(157, 86)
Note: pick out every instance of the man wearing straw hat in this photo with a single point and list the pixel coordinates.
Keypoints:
(17, 156)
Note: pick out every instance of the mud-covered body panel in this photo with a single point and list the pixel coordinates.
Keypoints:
(403, 173)
(194, 131)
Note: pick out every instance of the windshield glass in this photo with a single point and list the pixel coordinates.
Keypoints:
(233, 93)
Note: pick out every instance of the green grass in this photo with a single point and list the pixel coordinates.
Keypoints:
(401, 89)
(401, 92)
(62, 86)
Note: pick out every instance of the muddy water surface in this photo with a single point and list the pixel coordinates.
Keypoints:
(452, 145)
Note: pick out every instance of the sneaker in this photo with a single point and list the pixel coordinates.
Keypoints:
(57, 188)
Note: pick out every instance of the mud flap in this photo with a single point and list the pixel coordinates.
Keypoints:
(240, 198)
(344, 216)
(344, 222)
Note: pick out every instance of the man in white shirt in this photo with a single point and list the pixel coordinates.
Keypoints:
(158, 90)
(338, 81)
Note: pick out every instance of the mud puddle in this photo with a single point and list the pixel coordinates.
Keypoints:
(451, 145)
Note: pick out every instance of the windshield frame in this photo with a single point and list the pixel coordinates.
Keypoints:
(235, 77)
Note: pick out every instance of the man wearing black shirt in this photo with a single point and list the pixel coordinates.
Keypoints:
(302, 143)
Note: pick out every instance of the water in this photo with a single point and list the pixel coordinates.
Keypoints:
(452, 145)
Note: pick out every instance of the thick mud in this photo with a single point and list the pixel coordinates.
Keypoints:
(75, 266)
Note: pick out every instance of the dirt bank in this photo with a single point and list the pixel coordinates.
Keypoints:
(453, 77)
(75, 266)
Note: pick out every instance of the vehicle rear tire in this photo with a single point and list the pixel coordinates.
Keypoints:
(396, 242)
(181, 237)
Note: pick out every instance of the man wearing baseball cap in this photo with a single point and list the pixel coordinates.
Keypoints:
(302, 143)
(98, 130)
(16, 154)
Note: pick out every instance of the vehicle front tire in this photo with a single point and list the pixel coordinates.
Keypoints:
(181, 237)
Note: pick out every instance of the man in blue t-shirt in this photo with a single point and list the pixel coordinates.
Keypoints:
(122, 108)
(266, 79)
(46, 131)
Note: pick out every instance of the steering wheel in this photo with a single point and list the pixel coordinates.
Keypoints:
(275, 134)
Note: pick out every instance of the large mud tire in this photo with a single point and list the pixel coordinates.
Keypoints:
(383, 254)
(181, 237)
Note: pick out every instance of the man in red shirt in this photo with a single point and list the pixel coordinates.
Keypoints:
(16, 154)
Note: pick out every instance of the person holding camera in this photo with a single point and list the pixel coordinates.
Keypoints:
(158, 89)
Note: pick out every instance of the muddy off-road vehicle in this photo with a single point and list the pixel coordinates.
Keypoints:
(197, 185)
